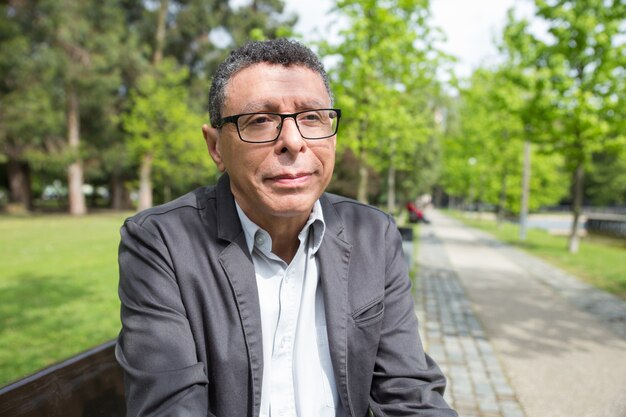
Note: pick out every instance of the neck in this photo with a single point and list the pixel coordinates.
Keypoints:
(285, 241)
(284, 232)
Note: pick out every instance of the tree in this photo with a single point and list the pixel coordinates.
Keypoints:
(489, 132)
(582, 64)
(61, 52)
(606, 184)
(29, 117)
(483, 152)
(161, 123)
(521, 69)
(262, 19)
(69, 67)
(183, 29)
(385, 82)
(85, 38)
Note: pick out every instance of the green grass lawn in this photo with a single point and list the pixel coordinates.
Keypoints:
(600, 261)
(58, 288)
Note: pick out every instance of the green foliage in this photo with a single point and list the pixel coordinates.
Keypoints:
(57, 289)
(606, 184)
(483, 153)
(61, 47)
(30, 117)
(586, 57)
(578, 72)
(578, 93)
(99, 51)
(385, 83)
(563, 92)
(263, 19)
(190, 25)
(161, 122)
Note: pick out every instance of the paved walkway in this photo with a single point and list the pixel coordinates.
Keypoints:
(515, 336)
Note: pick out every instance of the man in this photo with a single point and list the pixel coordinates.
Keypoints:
(264, 296)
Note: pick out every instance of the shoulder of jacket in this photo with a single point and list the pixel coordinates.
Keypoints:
(348, 206)
(194, 200)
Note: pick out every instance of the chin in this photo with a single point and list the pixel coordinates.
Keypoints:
(287, 206)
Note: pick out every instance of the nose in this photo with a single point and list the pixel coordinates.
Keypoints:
(290, 140)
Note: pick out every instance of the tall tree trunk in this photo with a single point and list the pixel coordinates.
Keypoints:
(503, 177)
(167, 192)
(159, 36)
(145, 182)
(469, 203)
(577, 205)
(438, 197)
(523, 216)
(479, 196)
(120, 200)
(145, 169)
(362, 158)
(363, 177)
(391, 179)
(502, 199)
(391, 189)
(76, 197)
(20, 193)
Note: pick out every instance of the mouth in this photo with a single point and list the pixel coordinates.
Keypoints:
(291, 180)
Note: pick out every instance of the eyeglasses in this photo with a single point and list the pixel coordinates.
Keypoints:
(266, 127)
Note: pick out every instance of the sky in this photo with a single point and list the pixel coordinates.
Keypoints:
(469, 25)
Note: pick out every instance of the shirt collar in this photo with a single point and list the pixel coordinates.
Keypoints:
(315, 223)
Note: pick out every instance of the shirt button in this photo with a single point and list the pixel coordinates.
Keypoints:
(260, 239)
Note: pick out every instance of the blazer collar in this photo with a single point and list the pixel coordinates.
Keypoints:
(333, 222)
(237, 263)
(228, 224)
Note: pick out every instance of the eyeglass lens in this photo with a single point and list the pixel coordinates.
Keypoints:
(314, 124)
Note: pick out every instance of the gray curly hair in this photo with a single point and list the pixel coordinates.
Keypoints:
(275, 51)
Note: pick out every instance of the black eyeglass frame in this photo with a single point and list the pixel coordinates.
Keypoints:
(235, 118)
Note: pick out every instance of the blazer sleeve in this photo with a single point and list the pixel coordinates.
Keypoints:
(155, 348)
(406, 381)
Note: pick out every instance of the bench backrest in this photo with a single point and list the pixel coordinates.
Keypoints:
(87, 385)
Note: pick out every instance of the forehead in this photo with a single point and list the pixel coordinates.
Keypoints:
(268, 87)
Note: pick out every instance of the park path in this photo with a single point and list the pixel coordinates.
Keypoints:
(515, 336)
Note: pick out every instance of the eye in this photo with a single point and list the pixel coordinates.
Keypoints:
(311, 117)
(259, 119)
(256, 121)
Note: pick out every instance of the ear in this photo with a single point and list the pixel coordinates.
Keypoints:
(210, 136)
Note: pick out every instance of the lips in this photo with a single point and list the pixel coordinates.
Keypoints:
(291, 179)
(290, 176)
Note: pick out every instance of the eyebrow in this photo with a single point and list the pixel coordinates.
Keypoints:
(270, 106)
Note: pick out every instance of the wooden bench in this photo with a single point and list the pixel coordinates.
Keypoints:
(87, 385)
(607, 224)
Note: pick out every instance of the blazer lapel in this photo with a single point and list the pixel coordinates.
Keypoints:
(334, 259)
(237, 263)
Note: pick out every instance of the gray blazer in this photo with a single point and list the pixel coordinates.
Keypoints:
(191, 344)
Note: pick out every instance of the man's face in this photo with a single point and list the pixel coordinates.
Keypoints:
(283, 178)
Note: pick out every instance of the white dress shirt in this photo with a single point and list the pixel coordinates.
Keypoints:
(298, 375)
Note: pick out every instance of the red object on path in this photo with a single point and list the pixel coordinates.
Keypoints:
(415, 214)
